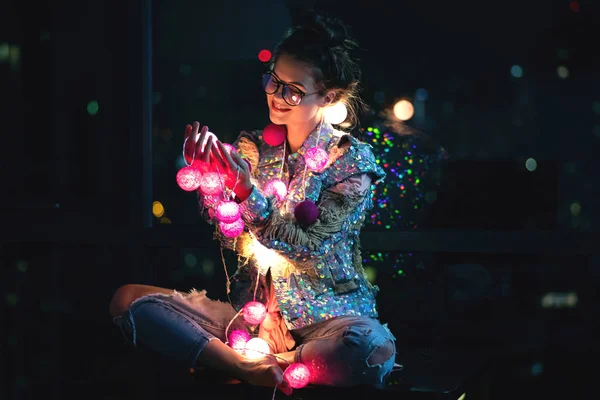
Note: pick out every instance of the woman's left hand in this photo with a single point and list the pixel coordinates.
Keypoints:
(235, 170)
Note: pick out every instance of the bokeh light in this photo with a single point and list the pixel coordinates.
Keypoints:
(562, 72)
(190, 260)
(4, 51)
(516, 71)
(264, 55)
(575, 208)
(574, 6)
(421, 94)
(531, 164)
(92, 107)
(404, 110)
(158, 210)
(336, 114)
(412, 168)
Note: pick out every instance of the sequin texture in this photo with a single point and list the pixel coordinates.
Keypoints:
(326, 278)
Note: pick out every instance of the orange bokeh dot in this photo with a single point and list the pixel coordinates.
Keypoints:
(264, 55)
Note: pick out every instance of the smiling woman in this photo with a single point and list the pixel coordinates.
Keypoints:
(300, 203)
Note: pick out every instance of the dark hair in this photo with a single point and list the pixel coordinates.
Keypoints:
(324, 43)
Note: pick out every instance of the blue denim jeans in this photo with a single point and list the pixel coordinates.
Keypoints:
(342, 351)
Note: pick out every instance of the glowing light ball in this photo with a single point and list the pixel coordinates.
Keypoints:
(306, 212)
(208, 135)
(238, 339)
(232, 230)
(189, 178)
(276, 188)
(254, 312)
(264, 55)
(297, 375)
(316, 158)
(229, 148)
(404, 110)
(256, 348)
(210, 184)
(336, 114)
(228, 212)
(274, 135)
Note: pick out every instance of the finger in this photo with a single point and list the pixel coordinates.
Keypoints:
(217, 157)
(188, 149)
(200, 142)
(230, 163)
(207, 150)
(220, 153)
(240, 162)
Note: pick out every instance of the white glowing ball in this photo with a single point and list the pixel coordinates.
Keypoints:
(336, 114)
(316, 158)
(297, 375)
(208, 134)
(228, 212)
(404, 110)
(256, 348)
(238, 339)
(276, 188)
(254, 312)
(232, 230)
(189, 178)
(210, 184)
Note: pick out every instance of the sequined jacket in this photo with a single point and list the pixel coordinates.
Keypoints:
(316, 270)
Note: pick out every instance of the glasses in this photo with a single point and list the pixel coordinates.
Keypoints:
(291, 94)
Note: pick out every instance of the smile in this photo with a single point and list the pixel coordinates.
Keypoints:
(277, 108)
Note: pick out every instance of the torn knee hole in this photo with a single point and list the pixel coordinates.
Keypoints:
(381, 354)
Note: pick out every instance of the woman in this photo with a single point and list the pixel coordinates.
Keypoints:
(321, 309)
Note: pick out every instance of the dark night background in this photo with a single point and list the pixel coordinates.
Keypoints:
(486, 252)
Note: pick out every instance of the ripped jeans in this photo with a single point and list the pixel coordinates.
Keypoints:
(342, 351)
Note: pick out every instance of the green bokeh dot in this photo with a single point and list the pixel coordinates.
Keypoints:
(92, 107)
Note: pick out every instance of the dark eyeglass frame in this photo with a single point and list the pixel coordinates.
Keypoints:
(267, 76)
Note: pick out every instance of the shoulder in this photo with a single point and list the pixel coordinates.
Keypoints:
(350, 156)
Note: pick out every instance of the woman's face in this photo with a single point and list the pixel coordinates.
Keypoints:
(298, 75)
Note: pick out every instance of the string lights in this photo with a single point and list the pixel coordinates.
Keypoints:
(228, 214)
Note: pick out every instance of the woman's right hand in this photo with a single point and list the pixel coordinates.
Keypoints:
(193, 150)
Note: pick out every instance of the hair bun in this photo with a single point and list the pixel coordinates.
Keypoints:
(329, 29)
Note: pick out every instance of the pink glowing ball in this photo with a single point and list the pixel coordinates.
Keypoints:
(274, 135)
(316, 158)
(256, 348)
(229, 148)
(189, 178)
(233, 229)
(254, 312)
(276, 188)
(306, 212)
(297, 375)
(210, 184)
(238, 339)
(228, 212)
